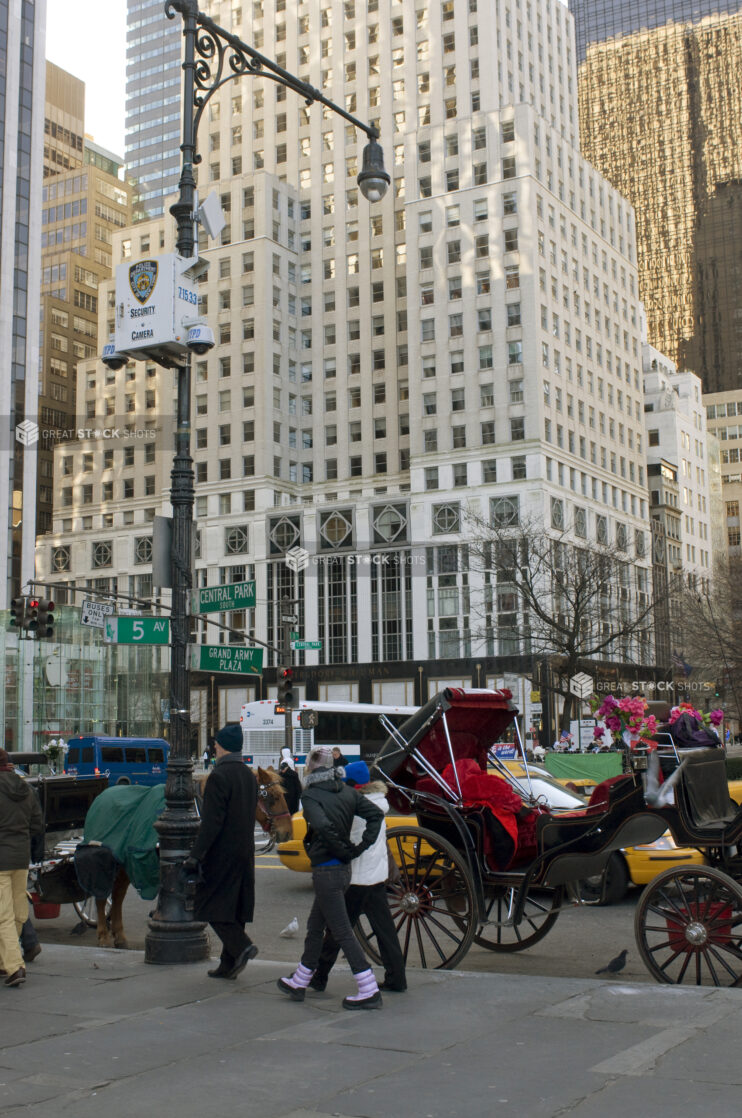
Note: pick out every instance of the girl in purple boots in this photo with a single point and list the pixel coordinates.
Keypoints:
(329, 807)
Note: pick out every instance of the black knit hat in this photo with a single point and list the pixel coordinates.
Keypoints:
(230, 738)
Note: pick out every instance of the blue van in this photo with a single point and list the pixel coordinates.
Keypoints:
(124, 760)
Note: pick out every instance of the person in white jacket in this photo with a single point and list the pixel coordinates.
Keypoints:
(367, 892)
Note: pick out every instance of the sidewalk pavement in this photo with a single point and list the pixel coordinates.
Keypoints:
(100, 1034)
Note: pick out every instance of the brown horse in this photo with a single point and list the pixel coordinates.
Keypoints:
(271, 813)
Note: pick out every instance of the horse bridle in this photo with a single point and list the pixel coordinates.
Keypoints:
(263, 795)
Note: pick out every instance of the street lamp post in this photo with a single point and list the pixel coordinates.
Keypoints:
(212, 57)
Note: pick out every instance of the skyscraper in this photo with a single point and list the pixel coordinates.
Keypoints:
(472, 343)
(83, 202)
(153, 80)
(661, 118)
(22, 38)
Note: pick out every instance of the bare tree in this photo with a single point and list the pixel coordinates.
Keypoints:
(710, 624)
(559, 598)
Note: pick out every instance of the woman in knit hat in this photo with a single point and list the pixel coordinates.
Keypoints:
(367, 892)
(329, 807)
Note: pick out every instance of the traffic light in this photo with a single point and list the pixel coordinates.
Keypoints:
(45, 618)
(286, 688)
(31, 620)
(18, 612)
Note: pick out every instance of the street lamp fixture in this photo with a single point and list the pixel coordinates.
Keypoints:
(211, 58)
(373, 180)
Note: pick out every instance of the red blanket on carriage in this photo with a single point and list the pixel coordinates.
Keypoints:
(516, 833)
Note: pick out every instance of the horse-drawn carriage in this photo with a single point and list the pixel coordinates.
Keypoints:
(474, 869)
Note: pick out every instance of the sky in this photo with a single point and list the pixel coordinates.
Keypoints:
(87, 38)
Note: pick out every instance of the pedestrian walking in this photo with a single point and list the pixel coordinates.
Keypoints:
(367, 892)
(329, 808)
(205, 760)
(20, 818)
(291, 785)
(223, 855)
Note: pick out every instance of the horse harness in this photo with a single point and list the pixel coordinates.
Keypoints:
(263, 790)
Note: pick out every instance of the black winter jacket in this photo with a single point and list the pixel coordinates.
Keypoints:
(329, 806)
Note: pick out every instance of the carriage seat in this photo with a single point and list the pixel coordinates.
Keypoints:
(705, 789)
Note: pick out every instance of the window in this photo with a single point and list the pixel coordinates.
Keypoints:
(517, 429)
(504, 512)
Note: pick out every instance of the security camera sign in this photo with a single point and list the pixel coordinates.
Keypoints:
(142, 279)
(156, 302)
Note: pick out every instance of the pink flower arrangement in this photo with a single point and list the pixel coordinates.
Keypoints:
(628, 713)
(713, 718)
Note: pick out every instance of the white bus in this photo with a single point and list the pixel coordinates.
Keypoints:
(353, 727)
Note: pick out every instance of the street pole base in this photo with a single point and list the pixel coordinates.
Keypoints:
(170, 941)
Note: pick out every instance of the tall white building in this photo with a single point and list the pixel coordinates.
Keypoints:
(677, 433)
(472, 342)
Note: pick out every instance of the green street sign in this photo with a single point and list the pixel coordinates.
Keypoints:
(218, 599)
(295, 636)
(137, 630)
(299, 646)
(233, 659)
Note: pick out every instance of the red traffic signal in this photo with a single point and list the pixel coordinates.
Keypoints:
(286, 687)
(31, 620)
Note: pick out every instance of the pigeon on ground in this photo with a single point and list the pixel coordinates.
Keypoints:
(291, 929)
(615, 965)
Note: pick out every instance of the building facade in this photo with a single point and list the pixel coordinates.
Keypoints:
(22, 38)
(661, 118)
(83, 202)
(470, 347)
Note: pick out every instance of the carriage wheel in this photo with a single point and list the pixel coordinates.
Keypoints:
(540, 912)
(688, 927)
(432, 904)
(88, 912)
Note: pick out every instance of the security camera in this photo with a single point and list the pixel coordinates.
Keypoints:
(112, 359)
(200, 339)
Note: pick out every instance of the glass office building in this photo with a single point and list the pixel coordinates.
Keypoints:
(661, 117)
(21, 143)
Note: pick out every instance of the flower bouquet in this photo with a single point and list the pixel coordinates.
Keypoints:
(55, 751)
(711, 718)
(627, 720)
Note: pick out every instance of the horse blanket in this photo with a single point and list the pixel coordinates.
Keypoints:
(122, 819)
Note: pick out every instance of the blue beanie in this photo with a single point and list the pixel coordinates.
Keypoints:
(230, 738)
(357, 773)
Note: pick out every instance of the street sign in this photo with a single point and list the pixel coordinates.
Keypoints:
(234, 659)
(217, 599)
(535, 696)
(290, 619)
(137, 630)
(536, 710)
(95, 613)
(299, 646)
(295, 636)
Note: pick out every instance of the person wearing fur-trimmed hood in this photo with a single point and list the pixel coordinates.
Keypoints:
(367, 892)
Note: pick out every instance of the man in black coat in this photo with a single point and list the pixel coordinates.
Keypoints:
(223, 855)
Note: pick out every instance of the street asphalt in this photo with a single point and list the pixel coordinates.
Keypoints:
(100, 1034)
